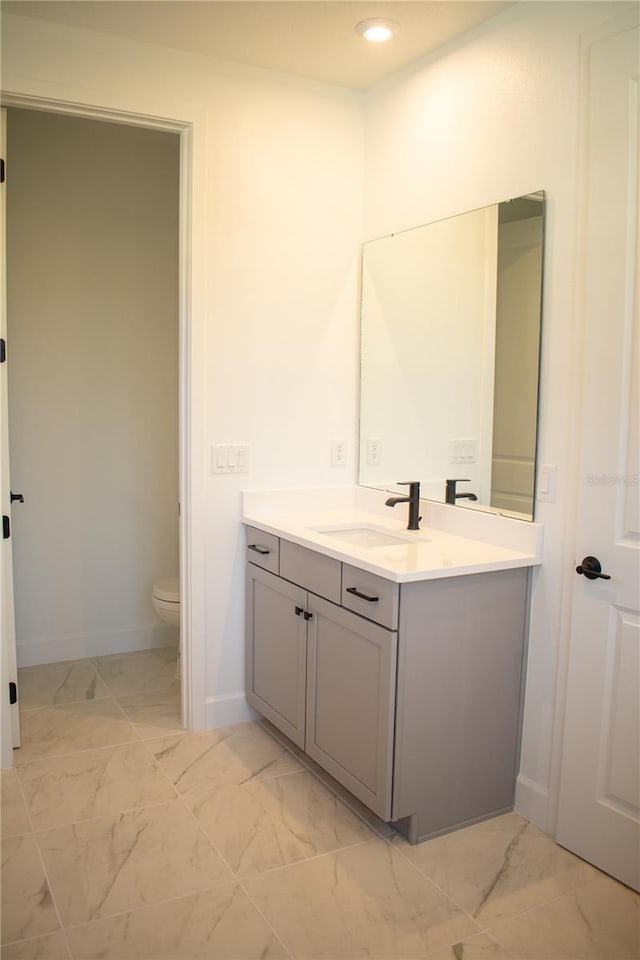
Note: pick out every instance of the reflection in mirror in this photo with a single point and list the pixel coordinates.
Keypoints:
(450, 355)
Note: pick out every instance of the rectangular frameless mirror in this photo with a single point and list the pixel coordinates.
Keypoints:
(450, 350)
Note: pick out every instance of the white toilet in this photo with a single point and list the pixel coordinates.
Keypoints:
(166, 600)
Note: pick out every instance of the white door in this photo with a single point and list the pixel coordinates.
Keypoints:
(8, 672)
(599, 811)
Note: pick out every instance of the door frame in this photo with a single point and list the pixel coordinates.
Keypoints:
(618, 24)
(193, 692)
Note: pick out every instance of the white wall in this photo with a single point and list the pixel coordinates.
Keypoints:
(275, 233)
(493, 116)
(428, 344)
(92, 284)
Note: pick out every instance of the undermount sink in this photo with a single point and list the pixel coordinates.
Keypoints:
(368, 536)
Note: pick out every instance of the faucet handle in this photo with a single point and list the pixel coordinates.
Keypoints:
(450, 494)
(408, 483)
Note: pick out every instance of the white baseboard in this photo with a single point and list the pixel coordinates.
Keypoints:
(230, 708)
(35, 652)
(532, 801)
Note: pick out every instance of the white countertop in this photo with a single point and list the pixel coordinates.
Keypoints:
(429, 553)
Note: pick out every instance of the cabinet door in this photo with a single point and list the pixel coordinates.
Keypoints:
(350, 693)
(276, 651)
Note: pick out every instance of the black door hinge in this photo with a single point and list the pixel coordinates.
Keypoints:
(3, 350)
(1, 170)
(6, 527)
(13, 692)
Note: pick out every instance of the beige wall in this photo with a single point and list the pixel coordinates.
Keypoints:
(516, 372)
(92, 240)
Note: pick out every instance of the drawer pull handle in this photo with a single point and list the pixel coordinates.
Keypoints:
(362, 596)
(261, 550)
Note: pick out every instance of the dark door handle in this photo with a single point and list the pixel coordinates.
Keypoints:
(16, 496)
(591, 569)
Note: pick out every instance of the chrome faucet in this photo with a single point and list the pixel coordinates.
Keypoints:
(413, 500)
(451, 496)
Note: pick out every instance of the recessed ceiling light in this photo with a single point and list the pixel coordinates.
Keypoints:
(377, 30)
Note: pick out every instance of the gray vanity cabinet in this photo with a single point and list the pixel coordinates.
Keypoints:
(458, 702)
(325, 677)
(408, 694)
(351, 673)
(276, 651)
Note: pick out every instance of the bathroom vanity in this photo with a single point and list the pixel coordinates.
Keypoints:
(393, 658)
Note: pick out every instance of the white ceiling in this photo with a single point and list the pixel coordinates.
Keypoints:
(310, 38)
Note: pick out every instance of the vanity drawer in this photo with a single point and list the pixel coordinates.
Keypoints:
(263, 549)
(371, 596)
(311, 570)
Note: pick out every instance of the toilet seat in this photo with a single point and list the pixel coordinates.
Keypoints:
(167, 590)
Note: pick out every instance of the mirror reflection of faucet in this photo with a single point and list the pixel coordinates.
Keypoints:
(451, 496)
(413, 500)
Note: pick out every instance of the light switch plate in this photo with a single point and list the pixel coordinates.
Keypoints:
(230, 458)
(463, 450)
(547, 482)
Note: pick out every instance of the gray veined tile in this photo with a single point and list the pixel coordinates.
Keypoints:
(51, 684)
(155, 713)
(266, 824)
(107, 866)
(479, 947)
(93, 783)
(199, 762)
(600, 921)
(499, 868)
(13, 813)
(27, 905)
(220, 924)
(379, 826)
(51, 947)
(127, 674)
(365, 901)
(55, 731)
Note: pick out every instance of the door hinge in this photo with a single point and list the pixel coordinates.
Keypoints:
(6, 527)
(3, 350)
(2, 168)
(13, 692)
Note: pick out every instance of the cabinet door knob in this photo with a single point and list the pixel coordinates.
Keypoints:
(298, 610)
(307, 615)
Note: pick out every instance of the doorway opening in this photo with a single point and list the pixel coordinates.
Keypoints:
(97, 325)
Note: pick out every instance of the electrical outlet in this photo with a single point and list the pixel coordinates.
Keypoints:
(374, 451)
(338, 453)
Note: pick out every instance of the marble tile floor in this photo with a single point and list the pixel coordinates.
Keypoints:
(125, 837)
